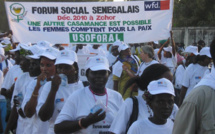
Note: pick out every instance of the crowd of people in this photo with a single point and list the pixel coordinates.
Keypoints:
(157, 87)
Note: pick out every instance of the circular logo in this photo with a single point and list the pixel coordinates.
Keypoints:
(17, 9)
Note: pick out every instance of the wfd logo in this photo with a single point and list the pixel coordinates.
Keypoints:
(156, 5)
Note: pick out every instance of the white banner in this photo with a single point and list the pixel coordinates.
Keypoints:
(90, 22)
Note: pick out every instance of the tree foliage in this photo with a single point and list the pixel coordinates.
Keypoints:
(194, 13)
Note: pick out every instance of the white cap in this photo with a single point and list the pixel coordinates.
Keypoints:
(50, 53)
(2, 51)
(161, 86)
(192, 49)
(156, 42)
(36, 51)
(25, 46)
(123, 46)
(6, 40)
(97, 63)
(44, 44)
(168, 49)
(3, 45)
(117, 43)
(16, 49)
(66, 57)
(205, 51)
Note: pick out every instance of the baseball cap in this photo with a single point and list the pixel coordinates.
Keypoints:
(117, 43)
(192, 49)
(2, 45)
(6, 40)
(50, 53)
(36, 51)
(161, 86)
(97, 63)
(156, 42)
(44, 44)
(162, 41)
(66, 57)
(168, 49)
(26, 46)
(205, 51)
(16, 49)
(122, 46)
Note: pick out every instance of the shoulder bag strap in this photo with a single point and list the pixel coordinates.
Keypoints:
(134, 113)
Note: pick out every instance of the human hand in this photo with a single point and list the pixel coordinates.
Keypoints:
(16, 101)
(94, 117)
(124, 67)
(56, 82)
(41, 79)
(171, 33)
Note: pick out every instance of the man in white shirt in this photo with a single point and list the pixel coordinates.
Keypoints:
(81, 49)
(95, 49)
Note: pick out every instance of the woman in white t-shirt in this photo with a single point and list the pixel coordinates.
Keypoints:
(167, 55)
(112, 58)
(121, 122)
(90, 110)
(146, 55)
(160, 97)
(195, 72)
(56, 92)
(47, 60)
(189, 54)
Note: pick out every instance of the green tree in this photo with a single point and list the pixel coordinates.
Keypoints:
(194, 13)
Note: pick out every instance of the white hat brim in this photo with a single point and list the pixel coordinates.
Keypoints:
(99, 67)
(64, 61)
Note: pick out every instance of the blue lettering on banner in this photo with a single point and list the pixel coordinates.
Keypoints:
(152, 5)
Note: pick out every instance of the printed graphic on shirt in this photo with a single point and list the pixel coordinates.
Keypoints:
(59, 100)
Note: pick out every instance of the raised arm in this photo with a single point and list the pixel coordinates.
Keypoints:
(46, 111)
(173, 43)
(30, 107)
(161, 48)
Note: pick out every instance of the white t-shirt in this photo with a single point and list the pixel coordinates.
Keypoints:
(111, 60)
(156, 54)
(12, 75)
(120, 121)
(208, 80)
(145, 126)
(4, 65)
(144, 65)
(193, 74)
(60, 99)
(1, 81)
(34, 125)
(179, 73)
(171, 63)
(80, 103)
(12, 61)
(98, 51)
(20, 85)
(84, 50)
(21, 88)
